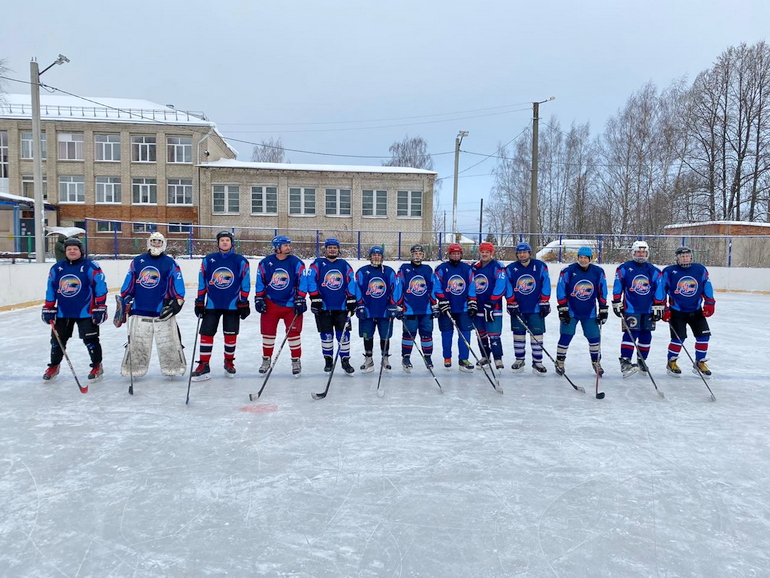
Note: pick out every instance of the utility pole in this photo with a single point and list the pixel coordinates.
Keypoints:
(481, 216)
(533, 201)
(458, 142)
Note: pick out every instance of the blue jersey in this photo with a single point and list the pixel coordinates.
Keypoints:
(414, 289)
(528, 285)
(225, 278)
(454, 283)
(151, 280)
(375, 289)
(76, 287)
(333, 281)
(639, 285)
(686, 287)
(281, 281)
(490, 282)
(580, 289)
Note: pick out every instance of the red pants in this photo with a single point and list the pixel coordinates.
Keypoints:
(269, 326)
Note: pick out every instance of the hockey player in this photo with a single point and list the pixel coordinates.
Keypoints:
(333, 296)
(581, 286)
(376, 308)
(690, 301)
(76, 294)
(455, 296)
(489, 279)
(152, 295)
(413, 292)
(224, 283)
(638, 299)
(279, 294)
(527, 295)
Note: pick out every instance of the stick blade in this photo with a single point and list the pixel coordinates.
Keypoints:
(600, 395)
(380, 393)
(581, 389)
(83, 389)
(318, 395)
(660, 393)
(713, 397)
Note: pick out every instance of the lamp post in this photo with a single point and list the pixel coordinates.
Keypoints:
(37, 161)
(458, 142)
(533, 202)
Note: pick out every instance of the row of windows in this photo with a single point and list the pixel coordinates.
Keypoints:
(109, 190)
(71, 147)
(111, 227)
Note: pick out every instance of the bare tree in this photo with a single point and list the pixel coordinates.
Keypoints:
(269, 151)
(4, 70)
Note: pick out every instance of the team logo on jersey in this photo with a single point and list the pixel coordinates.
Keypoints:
(222, 278)
(376, 288)
(482, 283)
(280, 279)
(417, 286)
(456, 285)
(640, 285)
(686, 287)
(525, 285)
(69, 285)
(333, 280)
(583, 290)
(149, 277)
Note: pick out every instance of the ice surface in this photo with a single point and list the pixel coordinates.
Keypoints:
(540, 482)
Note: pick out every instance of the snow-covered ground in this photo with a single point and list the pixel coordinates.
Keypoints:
(541, 481)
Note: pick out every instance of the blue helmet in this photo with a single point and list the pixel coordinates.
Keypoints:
(280, 240)
(523, 247)
(331, 242)
(585, 252)
(376, 250)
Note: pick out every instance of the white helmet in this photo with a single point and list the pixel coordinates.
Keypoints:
(640, 246)
(156, 244)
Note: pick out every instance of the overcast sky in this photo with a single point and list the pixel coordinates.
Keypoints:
(305, 71)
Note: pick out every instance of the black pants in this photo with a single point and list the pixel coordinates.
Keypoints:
(330, 321)
(231, 322)
(695, 319)
(88, 332)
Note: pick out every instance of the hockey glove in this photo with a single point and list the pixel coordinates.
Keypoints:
(260, 305)
(361, 312)
(666, 315)
(351, 303)
(489, 312)
(708, 309)
(444, 306)
(243, 309)
(513, 308)
(545, 309)
(657, 312)
(99, 314)
(49, 314)
(617, 308)
(564, 315)
(473, 309)
(300, 305)
(395, 312)
(171, 307)
(435, 311)
(316, 304)
(603, 315)
(122, 309)
(200, 309)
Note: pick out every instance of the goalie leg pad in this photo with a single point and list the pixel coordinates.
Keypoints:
(137, 357)
(169, 347)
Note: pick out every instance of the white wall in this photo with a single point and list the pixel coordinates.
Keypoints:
(23, 284)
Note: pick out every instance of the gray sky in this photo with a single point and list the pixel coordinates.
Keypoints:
(248, 65)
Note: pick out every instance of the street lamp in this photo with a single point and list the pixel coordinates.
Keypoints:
(37, 161)
(533, 202)
(458, 142)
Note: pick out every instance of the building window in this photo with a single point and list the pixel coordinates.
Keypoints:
(26, 145)
(107, 226)
(108, 190)
(143, 149)
(28, 186)
(107, 147)
(144, 192)
(338, 202)
(180, 228)
(375, 203)
(180, 192)
(142, 228)
(179, 149)
(264, 200)
(226, 199)
(301, 201)
(72, 190)
(409, 204)
(71, 146)
(3, 154)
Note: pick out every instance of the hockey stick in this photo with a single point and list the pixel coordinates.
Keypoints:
(425, 361)
(381, 392)
(67, 357)
(540, 343)
(639, 354)
(255, 396)
(599, 394)
(695, 365)
(130, 360)
(495, 383)
(490, 362)
(334, 365)
(195, 346)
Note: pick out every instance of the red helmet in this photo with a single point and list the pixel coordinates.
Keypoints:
(486, 246)
(454, 248)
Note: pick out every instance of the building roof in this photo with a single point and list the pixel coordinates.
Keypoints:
(233, 164)
(707, 223)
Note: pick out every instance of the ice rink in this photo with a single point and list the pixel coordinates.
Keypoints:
(539, 482)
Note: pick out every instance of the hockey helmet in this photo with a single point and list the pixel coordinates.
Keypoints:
(684, 256)
(376, 250)
(331, 242)
(454, 248)
(418, 253)
(585, 252)
(74, 242)
(280, 240)
(156, 244)
(523, 247)
(640, 247)
(486, 246)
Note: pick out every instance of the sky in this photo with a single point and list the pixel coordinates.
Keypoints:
(351, 78)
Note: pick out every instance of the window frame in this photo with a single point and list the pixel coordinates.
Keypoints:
(30, 180)
(176, 184)
(140, 143)
(72, 145)
(374, 203)
(153, 187)
(180, 228)
(142, 228)
(80, 191)
(228, 194)
(172, 150)
(113, 183)
(265, 193)
(304, 203)
(100, 147)
(410, 209)
(26, 145)
(108, 227)
(337, 202)
(5, 161)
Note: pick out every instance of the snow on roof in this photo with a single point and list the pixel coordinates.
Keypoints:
(702, 223)
(16, 198)
(227, 163)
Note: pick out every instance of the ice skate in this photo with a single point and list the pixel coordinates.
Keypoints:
(465, 366)
(296, 366)
(368, 365)
(229, 367)
(538, 368)
(499, 364)
(559, 365)
(51, 373)
(627, 368)
(641, 364)
(518, 366)
(704, 369)
(202, 372)
(386, 362)
(482, 361)
(428, 362)
(328, 363)
(598, 368)
(673, 369)
(346, 367)
(406, 363)
(265, 367)
(447, 363)
(96, 372)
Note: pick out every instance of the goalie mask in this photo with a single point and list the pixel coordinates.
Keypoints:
(156, 244)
